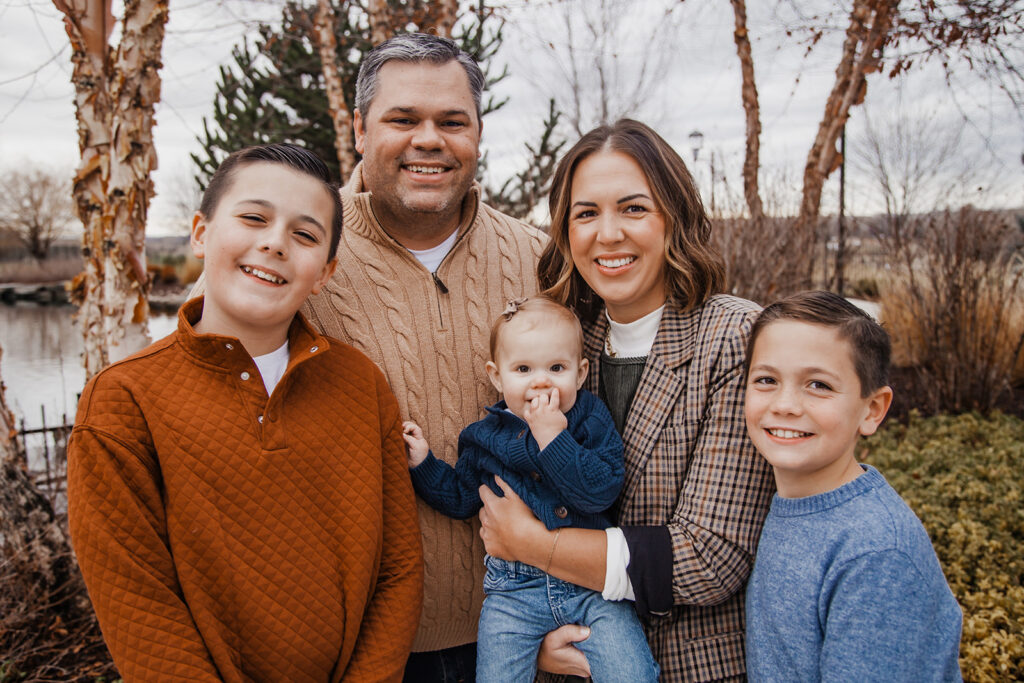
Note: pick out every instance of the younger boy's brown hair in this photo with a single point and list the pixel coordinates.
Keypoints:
(868, 340)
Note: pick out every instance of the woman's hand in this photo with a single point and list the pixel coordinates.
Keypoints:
(558, 655)
(507, 526)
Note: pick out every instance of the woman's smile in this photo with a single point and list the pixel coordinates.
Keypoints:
(617, 235)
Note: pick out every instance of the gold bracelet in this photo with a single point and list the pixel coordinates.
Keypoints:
(552, 553)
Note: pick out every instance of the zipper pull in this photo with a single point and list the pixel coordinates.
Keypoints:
(440, 285)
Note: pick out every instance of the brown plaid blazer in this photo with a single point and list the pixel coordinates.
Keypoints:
(690, 466)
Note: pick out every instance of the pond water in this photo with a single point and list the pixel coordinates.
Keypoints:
(41, 365)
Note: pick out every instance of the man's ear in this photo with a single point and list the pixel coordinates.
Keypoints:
(878, 405)
(197, 235)
(359, 129)
(494, 375)
(584, 369)
(325, 275)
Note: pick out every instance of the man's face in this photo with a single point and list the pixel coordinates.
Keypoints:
(419, 140)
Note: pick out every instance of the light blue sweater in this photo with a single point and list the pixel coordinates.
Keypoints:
(846, 587)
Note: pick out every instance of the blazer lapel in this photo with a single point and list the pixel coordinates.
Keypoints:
(662, 383)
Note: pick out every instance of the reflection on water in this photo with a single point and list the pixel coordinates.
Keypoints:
(41, 365)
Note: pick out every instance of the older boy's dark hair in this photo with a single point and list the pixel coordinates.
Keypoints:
(868, 340)
(287, 154)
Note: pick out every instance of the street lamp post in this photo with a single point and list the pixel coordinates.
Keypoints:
(696, 143)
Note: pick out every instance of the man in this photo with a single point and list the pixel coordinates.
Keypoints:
(424, 268)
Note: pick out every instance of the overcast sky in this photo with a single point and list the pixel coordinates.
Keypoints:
(697, 88)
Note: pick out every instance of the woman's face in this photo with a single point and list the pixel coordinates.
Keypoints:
(617, 235)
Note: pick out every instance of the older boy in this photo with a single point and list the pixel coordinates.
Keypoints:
(238, 496)
(846, 585)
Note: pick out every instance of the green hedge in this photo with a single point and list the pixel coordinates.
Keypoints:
(964, 477)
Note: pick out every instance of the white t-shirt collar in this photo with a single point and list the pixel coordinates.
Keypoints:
(431, 258)
(272, 366)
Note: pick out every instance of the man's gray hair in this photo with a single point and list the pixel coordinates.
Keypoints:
(415, 47)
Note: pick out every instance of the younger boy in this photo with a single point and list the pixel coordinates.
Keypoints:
(846, 585)
(237, 491)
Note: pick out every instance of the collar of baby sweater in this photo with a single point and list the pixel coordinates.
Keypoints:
(795, 507)
(635, 339)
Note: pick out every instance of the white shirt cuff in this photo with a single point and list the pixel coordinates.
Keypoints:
(616, 581)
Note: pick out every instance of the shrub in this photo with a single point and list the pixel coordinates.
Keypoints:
(964, 477)
(955, 306)
(765, 259)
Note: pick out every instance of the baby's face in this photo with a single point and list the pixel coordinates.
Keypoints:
(534, 356)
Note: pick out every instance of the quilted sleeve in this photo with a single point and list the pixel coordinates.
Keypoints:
(393, 612)
(119, 532)
(728, 486)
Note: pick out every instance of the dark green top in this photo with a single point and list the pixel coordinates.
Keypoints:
(619, 379)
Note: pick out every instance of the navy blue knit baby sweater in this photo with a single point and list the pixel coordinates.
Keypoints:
(570, 483)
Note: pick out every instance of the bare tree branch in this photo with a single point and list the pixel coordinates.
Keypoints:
(751, 107)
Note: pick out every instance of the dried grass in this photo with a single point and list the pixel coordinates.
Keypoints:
(954, 307)
(765, 258)
(48, 631)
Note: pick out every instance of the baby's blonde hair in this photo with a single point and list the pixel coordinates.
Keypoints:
(539, 305)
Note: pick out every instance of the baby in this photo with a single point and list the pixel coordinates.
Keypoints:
(557, 448)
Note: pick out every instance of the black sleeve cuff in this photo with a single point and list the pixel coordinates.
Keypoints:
(650, 568)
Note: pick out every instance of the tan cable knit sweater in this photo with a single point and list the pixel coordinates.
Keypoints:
(430, 337)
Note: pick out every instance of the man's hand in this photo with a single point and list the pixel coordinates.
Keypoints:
(416, 448)
(558, 655)
(545, 418)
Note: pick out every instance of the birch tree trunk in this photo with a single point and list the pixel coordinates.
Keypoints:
(751, 107)
(380, 21)
(323, 33)
(870, 24)
(448, 14)
(115, 94)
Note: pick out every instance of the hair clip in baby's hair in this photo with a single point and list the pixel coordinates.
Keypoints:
(512, 307)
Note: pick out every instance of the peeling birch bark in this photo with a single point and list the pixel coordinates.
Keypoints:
(448, 14)
(115, 95)
(380, 21)
(327, 45)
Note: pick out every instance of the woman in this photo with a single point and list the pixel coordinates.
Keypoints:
(630, 252)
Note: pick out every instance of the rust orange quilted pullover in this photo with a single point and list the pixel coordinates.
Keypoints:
(227, 535)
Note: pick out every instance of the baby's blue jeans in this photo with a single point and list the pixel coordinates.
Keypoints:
(523, 604)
